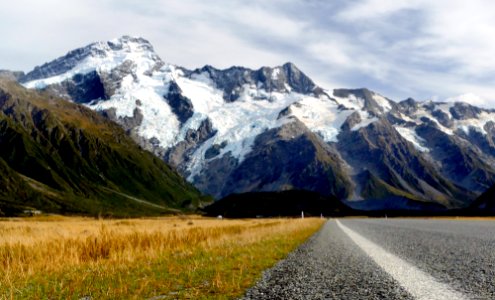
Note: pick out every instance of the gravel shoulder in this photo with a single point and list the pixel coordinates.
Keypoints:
(328, 266)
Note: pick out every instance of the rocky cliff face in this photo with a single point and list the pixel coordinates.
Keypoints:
(271, 129)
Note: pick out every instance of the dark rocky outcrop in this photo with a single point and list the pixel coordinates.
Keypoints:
(463, 111)
(442, 118)
(214, 150)
(81, 88)
(408, 106)
(351, 121)
(178, 155)
(181, 106)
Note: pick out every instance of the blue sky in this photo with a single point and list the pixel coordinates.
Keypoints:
(423, 49)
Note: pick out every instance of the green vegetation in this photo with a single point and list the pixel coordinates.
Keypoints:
(61, 157)
(375, 188)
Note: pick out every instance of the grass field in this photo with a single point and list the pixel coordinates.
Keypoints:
(166, 258)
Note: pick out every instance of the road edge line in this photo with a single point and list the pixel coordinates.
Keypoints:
(419, 284)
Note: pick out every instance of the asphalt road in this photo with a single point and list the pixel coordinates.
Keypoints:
(387, 259)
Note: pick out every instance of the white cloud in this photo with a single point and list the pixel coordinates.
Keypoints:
(267, 22)
(373, 9)
(443, 46)
(468, 98)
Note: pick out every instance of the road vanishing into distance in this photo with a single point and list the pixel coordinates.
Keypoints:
(387, 259)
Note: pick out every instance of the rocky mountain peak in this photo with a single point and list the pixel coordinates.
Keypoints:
(408, 105)
(463, 111)
(281, 79)
(364, 99)
(99, 55)
(130, 43)
(11, 75)
(298, 81)
(408, 102)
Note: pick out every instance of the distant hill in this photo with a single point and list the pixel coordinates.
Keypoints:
(275, 204)
(60, 157)
(485, 202)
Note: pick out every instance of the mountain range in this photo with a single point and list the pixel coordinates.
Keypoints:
(273, 129)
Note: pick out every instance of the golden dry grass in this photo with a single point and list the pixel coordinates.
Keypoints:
(176, 257)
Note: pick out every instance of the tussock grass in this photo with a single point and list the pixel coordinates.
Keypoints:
(176, 257)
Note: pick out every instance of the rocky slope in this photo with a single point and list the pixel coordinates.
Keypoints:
(271, 129)
(58, 156)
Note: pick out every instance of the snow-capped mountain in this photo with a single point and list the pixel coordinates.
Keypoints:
(240, 130)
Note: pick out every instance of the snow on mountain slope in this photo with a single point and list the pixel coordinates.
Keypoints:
(237, 123)
(364, 100)
(349, 102)
(410, 135)
(448, 122)
(321, 115)
(145, 93)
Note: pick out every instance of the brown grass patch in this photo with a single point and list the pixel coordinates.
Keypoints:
(178, 256)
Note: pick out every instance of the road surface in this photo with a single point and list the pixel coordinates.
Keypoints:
(387, 259)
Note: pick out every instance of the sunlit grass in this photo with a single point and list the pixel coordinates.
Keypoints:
(189, 257)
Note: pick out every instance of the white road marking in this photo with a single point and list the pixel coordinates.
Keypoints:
(418, 283)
